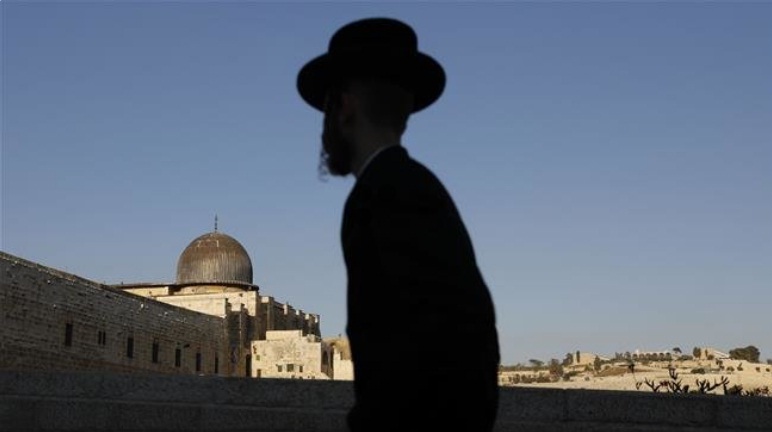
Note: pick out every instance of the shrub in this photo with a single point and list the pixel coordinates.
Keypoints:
(674, 385)
(568, 375)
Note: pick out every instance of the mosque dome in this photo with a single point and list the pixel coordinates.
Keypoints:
(214, 257)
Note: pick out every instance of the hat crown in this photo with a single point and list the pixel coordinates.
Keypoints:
(377, 34)
(380, 48)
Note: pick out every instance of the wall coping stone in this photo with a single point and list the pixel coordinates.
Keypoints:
(99, 401)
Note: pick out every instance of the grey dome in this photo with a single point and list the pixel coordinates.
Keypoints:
(214, 257)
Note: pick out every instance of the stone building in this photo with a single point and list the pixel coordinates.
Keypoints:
(215, 277)
(287, 354)
(212, 320)
(582, 358)
(54, 320)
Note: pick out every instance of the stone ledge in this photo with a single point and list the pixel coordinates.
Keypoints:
(79, 401)
(234, 391)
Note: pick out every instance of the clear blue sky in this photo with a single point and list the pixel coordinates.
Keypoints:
(612, 160)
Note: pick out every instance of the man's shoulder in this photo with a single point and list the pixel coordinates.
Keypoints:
(398, 180)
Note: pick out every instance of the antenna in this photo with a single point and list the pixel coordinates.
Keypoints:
(215, 223)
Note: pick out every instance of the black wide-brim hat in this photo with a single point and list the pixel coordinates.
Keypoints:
(382, 48)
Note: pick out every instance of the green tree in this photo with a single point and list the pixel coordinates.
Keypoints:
(596, 364)
(677, 350)
(536, 363)
(568, 360)
(749, 353)
(697, 352)
(555, 368)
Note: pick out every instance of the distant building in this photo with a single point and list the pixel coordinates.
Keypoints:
(287, 354)
(708, 353)
(583, 358)
(652, 355)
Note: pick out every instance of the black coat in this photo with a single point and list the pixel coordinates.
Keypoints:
(421, 321)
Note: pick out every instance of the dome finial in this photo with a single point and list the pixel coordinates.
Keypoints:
(215, 223)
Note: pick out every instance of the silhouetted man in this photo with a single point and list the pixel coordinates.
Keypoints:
(421, 321)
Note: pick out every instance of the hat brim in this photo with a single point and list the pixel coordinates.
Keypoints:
(422, 75)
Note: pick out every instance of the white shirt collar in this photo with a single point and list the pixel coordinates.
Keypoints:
(370, 159)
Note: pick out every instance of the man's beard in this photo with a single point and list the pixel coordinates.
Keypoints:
(335, 155)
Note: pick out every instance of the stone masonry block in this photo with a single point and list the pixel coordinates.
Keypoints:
(520, 403)
(748, 412)
(148, 417)
(73, 415)
(17, 414)
(547, 426)
(639, 407)
(216, 419)
(162, 388)
(283, 393)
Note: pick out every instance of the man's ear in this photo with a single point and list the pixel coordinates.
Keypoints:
(348, 106)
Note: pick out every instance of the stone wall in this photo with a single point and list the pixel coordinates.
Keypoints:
(282, 316)
(101, 402)
(54, 320)
(214, 303)
(289, 354)
(266, 312)
(343, 367)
